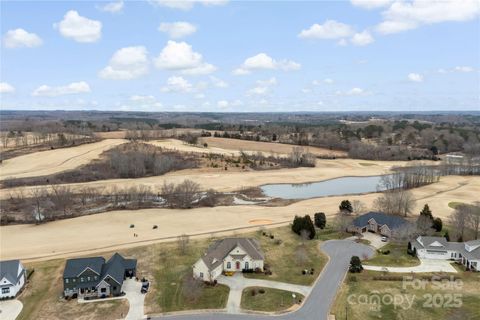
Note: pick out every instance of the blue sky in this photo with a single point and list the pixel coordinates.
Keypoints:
(218, 55)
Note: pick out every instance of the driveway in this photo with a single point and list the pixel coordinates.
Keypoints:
(238, 283)
(135, 299)
(374, 238)
(317, 304)
(10, 309)
(426, 265)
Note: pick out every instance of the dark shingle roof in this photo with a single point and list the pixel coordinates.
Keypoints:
(74, 267)
(221, 248)
(9, 270)
(115, 267)
(393, 222)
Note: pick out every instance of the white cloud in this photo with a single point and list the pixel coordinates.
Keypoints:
(219, 83)
(223, 103)
(264, 61)
(186, 4)
(328, 81)
(362, 39)
(6, 88)
(72, 88)
(176, 30)
(331, 29)
(262, 87)
(177, 84)
(319, 82)
(199, 96)
(126, 63)
(370, 4)
(113, 7)
(415, 77)
(79, 28)
(463, 69)
(355, 92)
(143, 99)
(180, 56)
(402, 16)
(237, 103)
(18, 38)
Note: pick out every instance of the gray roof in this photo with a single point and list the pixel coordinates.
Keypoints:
(393, 222)
(9, 270)
(221, 248)
(452, 246)
(115, 268)
(74, 267)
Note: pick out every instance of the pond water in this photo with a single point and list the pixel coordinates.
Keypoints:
(333, 187)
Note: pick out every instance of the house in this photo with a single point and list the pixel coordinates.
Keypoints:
(377, 222)
(229, 255)
(93, 277)
(12, 278)
(467, 253)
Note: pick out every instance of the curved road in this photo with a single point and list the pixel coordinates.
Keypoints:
(317, 304)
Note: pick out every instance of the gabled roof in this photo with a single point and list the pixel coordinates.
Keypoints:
(74, 267)
(10, 270)
(393, 222)
(429, 243)
(217, 252)
(115, 267)
(433, 242)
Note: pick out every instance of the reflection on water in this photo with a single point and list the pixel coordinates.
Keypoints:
(333, 187)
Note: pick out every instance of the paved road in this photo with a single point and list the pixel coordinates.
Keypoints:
(317, 305)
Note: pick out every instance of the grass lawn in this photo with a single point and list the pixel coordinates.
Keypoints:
(272, 300)
(398, 257)
(454, 204)
(329, 233)
(288, 259)
(42, 298)
(429, 302)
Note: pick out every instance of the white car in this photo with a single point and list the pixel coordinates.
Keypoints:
(384, 239)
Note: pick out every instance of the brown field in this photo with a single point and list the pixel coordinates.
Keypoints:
(111, 230)
(269, 147)
(54, 161)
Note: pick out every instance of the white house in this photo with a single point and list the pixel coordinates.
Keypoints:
(229, 255)
(12, 278)
(468, 253)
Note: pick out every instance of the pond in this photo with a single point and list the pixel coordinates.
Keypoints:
(332, 187)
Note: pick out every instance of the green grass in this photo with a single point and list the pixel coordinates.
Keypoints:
(398, 257)
(329, 233)
(169, 278)
(364, 284)
(283, 258)
(455, 204)
(367, 164)
(272, 300)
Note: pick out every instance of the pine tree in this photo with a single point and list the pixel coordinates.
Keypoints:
(320, 220)
(426, 211)
(346, 206)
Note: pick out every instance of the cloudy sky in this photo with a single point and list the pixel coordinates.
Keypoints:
(219, 55)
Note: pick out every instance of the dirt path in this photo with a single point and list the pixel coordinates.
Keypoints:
(108, 231)
(54, 161)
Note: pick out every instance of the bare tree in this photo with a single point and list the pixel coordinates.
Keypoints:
(473, 218)
(304, 235)
(62, 198)
(399, 202)
(459, 221)
(301, 255)
(342, 222)
(38, 196)
(182, 243)
(358, 207)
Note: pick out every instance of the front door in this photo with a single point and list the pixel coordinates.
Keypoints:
(238, 265)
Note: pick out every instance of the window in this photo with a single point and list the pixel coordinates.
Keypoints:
(5, 290)
(114, 288)
(201, 275)
(103, 290)
(88, 278)
(229, 265)
(95, 277)
(74, 280)
(81, 279)
(66, 280)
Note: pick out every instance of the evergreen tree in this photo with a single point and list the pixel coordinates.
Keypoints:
(320, 220)
(346, 206)
(447, 236)
(437, 224)
(426, 212)
(355, 265)
(303, 223)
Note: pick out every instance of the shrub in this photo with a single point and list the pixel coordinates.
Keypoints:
(272, 236)
(355, 265)
(304, 224)
(320, 220)
(261, 291)
(155, 227)
(132, 226)
(253, 292)
(278, 242)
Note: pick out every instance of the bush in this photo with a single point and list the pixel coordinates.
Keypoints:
(253, 292)
(155, 227)
(132, 226)
(272, 236)
(386, 252)
(320, 220)
(261, 291)
(303, 224)
(278, 242)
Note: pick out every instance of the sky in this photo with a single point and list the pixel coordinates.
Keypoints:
(240, 56)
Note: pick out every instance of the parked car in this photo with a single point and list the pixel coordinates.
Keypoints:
(384, 239)
(145, 286)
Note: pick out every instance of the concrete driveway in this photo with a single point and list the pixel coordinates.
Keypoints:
(317, 304)
(374, 238)
(237, 283)
(10, 309)
(426, 265)
(135, 299)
